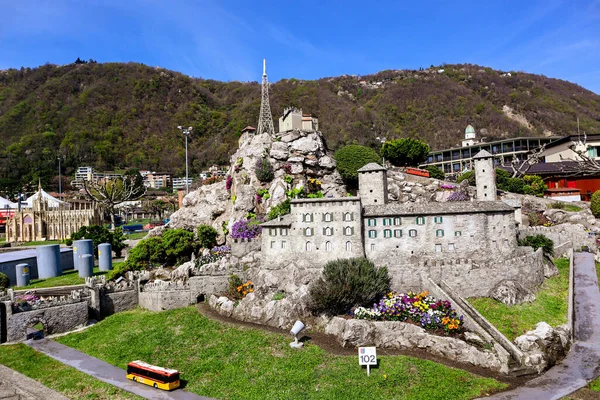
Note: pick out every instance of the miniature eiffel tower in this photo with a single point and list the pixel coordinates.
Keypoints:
(265, 120)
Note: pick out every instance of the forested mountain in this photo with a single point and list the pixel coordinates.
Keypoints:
(126, 115)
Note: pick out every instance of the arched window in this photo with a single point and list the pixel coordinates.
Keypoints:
(347, 231)
(308, 217)
(348, 216)
(327, 246)
(308, 232)
(328, 217)
(348, 246)
(308, 246)
(328, 231)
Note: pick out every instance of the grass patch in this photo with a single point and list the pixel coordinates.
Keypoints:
(564, 206)
(136, 235)
(226, 362)
(57, 376)
(550, 306)
(40, 243)
(70, 277)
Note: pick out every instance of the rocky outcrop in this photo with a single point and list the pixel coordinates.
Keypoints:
(295, 156)
(405, 336)
(544, 346)
(510, 293)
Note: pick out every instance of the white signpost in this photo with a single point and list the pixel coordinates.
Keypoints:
(367, 356)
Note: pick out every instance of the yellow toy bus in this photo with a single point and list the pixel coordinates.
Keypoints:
(151, 375)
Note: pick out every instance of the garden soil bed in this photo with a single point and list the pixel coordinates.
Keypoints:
(329, 344)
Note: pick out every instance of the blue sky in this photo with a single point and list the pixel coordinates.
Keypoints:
(226, 40)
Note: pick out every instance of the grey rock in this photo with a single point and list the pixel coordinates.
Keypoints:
(279, 151)
(510, 293)
(290, 137)
(327, 162)
(306, 144)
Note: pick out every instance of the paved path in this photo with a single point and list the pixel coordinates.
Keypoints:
(582, 364)
(104, 371)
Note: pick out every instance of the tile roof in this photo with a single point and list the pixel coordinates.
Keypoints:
(370, 167)
(429, 208)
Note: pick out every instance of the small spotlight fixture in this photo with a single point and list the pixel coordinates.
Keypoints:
(295, 331)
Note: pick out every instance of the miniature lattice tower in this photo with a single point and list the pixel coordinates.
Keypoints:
(265, 120)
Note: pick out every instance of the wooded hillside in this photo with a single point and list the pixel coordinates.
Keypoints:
(126, 115)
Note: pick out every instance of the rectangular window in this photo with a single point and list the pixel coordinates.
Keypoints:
(372, 246)
(272, 245)
(387, 221)
(397, 233)
(437, 220)
(397, 221)
(451, 247)
(284, 244)
(273, 232)
(438, 248)
(412, 233)
(372, 234)
(283, 231)
(387, 233)
(420, 220)
(372, 222)
(439, 233)
(457, 233)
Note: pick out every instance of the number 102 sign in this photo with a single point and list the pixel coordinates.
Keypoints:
(367, 356)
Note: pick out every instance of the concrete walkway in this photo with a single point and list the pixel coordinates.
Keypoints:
(16, 386)
(104, 371)
(582, 364)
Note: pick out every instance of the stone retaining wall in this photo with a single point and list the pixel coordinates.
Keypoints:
(115, 302)
(57, 319)
(165, 300)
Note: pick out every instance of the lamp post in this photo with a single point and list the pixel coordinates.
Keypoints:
(62, 235)
(382, 140)
(186, 132)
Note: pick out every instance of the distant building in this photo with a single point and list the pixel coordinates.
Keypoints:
(294, 119)
(469, 139)
(43, 217)
(246, 134)
(157, 180)
(179, 183)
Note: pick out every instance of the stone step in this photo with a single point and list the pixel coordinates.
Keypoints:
(6, 393)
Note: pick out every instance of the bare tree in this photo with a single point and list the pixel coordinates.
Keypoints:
(585, 165)
(520, 168)
(112, 192)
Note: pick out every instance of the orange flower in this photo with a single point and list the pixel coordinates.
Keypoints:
(445, 320)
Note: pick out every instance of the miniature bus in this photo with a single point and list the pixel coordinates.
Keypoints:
(151, 375)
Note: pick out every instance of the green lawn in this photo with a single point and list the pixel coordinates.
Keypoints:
(41, 243)
(136, 235)
(550, 306)
(564, 206)
(227, 362)
(70, 277)
(57, 376)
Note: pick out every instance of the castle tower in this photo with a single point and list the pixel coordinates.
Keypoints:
(485, 175)
(265, 120)
(372, 184)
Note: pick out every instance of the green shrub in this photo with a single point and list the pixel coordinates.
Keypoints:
(468, 176)
(347, 283)
(435, 172)
(280, 209)
(405, 152)
(263, 170)
(534, 185)
(351, 158)
(280, 295)
(179, 245)
(538, 241)
(207, 236)
(4, 281)
(148, 253)
(595, 204)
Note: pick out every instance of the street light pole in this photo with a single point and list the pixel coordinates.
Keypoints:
(62, 235)
(186, 132)
(382, 140)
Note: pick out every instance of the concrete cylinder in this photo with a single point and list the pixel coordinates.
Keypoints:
(22, 271)
(86, 265)
(81, 247)
(48, 261)
(105, 256)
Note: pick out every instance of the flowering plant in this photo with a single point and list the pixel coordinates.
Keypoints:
(247, 228)
(26, 300)
(287, 168)
(244, 289)
(446, 186)
(422, 309)
(228, 182)
(458, 196)
(215, 254)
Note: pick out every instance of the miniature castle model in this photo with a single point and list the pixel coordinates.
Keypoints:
(43, 217)
(469, 139)
(293, 119)
(401, 236)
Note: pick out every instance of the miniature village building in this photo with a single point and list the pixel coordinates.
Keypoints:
(294, 119)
